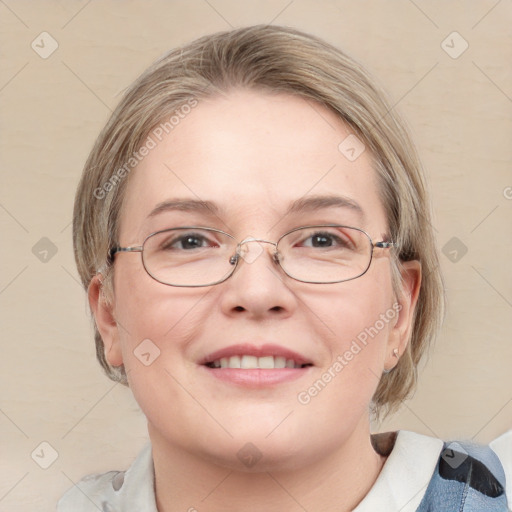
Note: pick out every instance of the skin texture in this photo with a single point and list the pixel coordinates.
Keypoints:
(252, 153)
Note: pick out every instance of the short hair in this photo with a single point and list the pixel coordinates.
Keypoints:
(278, 60)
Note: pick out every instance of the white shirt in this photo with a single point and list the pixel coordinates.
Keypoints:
(400, 485)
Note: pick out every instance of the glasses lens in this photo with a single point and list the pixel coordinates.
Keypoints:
(325, 254)
(189, 256)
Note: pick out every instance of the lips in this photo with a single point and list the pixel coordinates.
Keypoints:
(254, 357)
(253, 366)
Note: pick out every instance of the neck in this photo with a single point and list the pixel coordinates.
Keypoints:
(183, 482)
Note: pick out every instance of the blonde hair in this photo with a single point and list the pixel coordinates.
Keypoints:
(281, 60)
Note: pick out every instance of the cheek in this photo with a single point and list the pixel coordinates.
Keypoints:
(155, 319)
(157, 325)
(361, 324)
(354, 322)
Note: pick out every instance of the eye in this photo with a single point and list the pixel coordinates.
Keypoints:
(325, 240)
(187, 242)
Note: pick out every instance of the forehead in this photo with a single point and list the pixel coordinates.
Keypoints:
(254, 155)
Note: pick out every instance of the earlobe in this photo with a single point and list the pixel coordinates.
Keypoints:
(407, 301)
(106, 324)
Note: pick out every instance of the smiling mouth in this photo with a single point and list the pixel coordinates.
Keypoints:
(249, 362)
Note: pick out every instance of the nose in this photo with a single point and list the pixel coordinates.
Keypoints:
(258, 287)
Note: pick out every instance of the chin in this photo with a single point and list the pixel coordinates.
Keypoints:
(260, 457)
(257, 452)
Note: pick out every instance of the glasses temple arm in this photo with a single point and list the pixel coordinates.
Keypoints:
(115, 250)
(385, 245)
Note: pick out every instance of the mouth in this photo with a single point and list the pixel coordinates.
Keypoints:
(256, 366)
(249, 356)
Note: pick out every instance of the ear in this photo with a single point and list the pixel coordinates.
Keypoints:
(106, 324)
(406, 306)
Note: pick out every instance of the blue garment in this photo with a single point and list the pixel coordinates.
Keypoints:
(467, 478)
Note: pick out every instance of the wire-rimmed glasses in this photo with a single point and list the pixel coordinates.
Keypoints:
(194, 256)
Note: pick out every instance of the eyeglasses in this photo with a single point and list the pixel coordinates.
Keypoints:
(193, 256)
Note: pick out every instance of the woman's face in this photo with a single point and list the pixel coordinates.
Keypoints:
(253, 155)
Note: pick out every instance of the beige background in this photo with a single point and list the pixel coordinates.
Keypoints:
(459, 110)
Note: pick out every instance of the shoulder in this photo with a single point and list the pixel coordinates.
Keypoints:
(115, 490)
(90, 493)
(467, 477)
(427, 474)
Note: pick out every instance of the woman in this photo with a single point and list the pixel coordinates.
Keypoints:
(284, 288)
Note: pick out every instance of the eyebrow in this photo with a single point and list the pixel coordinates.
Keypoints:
(304, 204)
(185, 205)
(313, 203)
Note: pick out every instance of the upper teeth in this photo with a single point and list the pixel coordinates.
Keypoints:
(252, 362)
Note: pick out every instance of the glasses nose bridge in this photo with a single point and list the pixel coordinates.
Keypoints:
(260, 240)
(239, 250)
